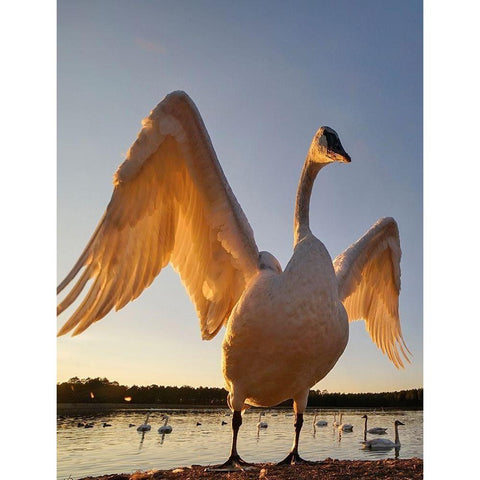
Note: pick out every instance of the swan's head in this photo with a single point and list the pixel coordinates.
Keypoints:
(398, 422)
(327, 148)
(364, 416)
(267, 260)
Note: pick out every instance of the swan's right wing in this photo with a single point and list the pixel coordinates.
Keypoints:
(368, 278)
(171, 203)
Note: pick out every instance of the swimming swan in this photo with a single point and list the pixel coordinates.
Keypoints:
(374, 431)
(320, 423)
(145, 427)
(384, 443)
(171, 203)
(344, 427)
(261, 424)
(335, 422)
(165, 428)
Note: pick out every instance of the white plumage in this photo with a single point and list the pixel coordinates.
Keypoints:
(374, 430)
(166, 428)
(144, 427)
(285, 330)
(320, 423)
(384, 443)
(344, 427)
(261, 424)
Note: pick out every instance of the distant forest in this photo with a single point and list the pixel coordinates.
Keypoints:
(101, 390)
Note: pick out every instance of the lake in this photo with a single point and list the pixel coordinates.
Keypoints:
(121, 449)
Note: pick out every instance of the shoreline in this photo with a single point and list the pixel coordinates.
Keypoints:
(63, 408)
(328, 469)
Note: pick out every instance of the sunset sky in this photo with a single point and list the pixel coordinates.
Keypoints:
(264, 76)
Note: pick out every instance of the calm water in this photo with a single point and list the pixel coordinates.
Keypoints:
(120, 449)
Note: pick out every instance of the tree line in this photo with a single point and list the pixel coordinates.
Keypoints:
(101, 390)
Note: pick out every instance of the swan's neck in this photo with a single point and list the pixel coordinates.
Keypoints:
(302, 205)
(397, 440)
(365, 431)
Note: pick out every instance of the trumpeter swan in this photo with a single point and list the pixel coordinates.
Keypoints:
(344, 427)
(384, 443)
(320, 423)
(374, 431)
(165, 428)
(172, 204)
(335, 422)
(145, 427)
(261, 424)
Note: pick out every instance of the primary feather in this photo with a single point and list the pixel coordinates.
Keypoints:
(171, 203)
(368, 276)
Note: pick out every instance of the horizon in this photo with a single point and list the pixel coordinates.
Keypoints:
(221, 387)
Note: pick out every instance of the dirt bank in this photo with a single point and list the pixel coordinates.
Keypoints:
(411, 469)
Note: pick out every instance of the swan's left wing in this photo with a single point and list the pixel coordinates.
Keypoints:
(368, 276)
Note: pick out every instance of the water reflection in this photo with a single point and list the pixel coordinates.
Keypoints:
(142, 432)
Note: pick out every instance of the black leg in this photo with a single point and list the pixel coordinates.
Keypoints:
(293, 457)
(234, 462)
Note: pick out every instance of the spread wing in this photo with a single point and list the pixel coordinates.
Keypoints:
(368, 276)
(171, 203)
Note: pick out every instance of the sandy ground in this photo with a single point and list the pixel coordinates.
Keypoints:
(411, 469)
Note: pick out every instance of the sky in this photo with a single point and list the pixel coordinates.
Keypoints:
(264, 76)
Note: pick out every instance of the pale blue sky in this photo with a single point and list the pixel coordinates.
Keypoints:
(265, 76)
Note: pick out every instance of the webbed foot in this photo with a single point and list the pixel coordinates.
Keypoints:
(233, 464)
(293, 458)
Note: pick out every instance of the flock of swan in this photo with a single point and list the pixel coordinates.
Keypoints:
(285, 328)
(372, 444)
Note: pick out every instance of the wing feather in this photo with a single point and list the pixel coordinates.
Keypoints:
(368, 276)
(171, 203)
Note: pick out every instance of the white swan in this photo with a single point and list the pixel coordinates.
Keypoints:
(172, 203)
(320, 423)
(374, 431)
(165, 428)
(145, 427)
(335, 422)
(344, 427)
(261, 424)
(384, 443)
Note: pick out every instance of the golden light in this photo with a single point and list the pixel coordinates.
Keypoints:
(128, 399)
(92, 395)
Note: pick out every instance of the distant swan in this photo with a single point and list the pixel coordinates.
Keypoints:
(335, 422)
(261, 424)
(320, 423)
(344, 427)
(374, 431)
(145, 427)
(384, 443)
(165, 428)
(172, 204)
